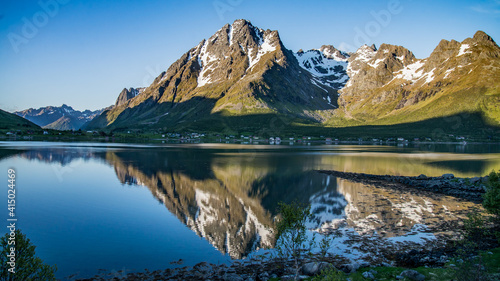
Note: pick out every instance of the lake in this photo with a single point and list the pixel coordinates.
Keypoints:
(129, 207)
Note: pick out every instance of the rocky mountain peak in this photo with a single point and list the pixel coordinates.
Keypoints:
(331, 52)
(127, 94)
(481, 36)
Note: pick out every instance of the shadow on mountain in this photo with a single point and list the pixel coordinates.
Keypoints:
(196, 115)
(471, 125)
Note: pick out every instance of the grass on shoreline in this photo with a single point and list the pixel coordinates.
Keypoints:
(490, 261)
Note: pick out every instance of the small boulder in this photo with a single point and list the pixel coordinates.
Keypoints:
(368, 275)
(264, 276)
(413, 275)
(363, 264)
(232, 277)
(475, 180)
(448, 176)
(315, 268)
(421, 177)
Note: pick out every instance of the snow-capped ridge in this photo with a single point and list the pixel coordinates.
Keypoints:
(327, 65)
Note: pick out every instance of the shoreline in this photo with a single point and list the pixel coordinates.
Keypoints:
(471, 189)
(263, 141)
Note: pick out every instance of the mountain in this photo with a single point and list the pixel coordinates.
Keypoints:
(9, 121)
(240, 70)
(243, 79)
(390, 85)
(59, 118)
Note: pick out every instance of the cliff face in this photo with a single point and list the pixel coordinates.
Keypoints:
(127, 94)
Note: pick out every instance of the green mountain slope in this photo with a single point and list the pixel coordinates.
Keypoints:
(9, 121)
(457, 78)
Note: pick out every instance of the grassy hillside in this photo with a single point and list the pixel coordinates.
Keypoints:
(9, 121)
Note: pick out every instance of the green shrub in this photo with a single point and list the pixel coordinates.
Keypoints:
(291, 234)
(492, 196)
(330, 274)
(27, 265)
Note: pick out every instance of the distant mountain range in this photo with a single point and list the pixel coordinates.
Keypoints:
(244, 79)
(59, 118)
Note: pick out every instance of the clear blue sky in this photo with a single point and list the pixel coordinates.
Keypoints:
(83, 53)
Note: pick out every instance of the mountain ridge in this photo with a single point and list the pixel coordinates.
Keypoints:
(244, 71)
(59, 117)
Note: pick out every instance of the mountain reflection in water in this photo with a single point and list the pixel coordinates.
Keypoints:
(230, 198)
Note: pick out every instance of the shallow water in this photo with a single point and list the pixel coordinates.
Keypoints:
(134, 206)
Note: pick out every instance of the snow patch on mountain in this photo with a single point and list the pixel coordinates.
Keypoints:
(365, 54)
(319, 65)
(448, 72)
(265, 46)
(207, 63)
(316, 84)
(376, 63)
(411, 72)
(230, 35)
(464, 50)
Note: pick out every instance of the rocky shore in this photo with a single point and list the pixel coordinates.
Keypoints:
(471, 189)
(248, 270)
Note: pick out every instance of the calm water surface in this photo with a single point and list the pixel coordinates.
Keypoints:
(129, 207)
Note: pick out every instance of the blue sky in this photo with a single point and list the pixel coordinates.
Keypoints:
(83, 53)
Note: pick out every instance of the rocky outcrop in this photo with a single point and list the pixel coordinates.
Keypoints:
(127, 94)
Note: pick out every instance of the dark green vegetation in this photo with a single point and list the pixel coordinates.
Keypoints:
(455, 270)
(291, 233)
(27, 265)
(12, 122)
(492, 197)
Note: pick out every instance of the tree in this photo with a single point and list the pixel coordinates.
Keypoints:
(291, 232)
(492, 196)
(27, 265)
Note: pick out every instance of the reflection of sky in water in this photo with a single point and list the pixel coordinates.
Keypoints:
(89, 207)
